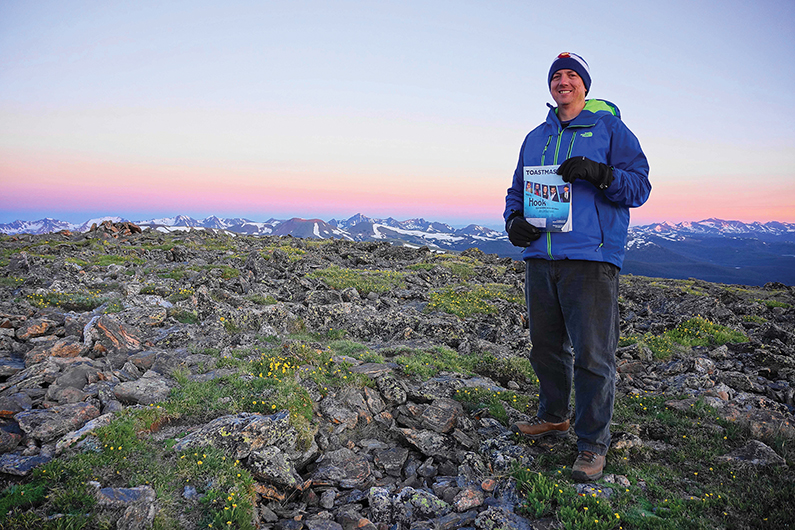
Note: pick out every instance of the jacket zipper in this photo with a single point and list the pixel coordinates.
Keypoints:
(557, 152)
(544, 152)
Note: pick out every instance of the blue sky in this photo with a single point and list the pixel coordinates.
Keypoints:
(403, 109)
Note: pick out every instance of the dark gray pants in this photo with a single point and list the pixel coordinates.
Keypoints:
(573, 305)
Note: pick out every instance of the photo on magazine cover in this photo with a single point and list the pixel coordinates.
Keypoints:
(547, 199)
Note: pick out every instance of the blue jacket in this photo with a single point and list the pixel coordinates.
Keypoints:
(600, 218)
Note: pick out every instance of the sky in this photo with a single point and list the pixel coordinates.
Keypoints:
(280, 109)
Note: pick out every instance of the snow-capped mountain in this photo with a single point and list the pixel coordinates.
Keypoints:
(711, 249)
(714, 250)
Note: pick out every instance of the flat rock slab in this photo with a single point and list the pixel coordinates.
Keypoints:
(48, 424)
(21, 465)
(9, 366)
(14, 403)
(73, 437)
(755, 453)
(119, 497)
(429, 443)
(242, 433)
(149, 389)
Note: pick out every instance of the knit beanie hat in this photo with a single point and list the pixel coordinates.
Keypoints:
(571, 61)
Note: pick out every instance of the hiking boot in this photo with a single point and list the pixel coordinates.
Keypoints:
(588, 466)
(537, 428)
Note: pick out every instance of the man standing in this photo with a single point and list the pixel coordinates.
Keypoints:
(571, 278)
(564, 195)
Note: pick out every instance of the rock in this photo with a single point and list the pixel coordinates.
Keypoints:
(454, 520)
(272, 466)
(327, 498)
(322, 524)
(468, 498)
(10, 366)
(392, 390)
(754, 453)
(149, 389)
(138, 504)
(391, 460)
(428, 442)
(73, 437)
(10, 436)
(623, 440)
(108, 335)
(441, 415)
(21, 465)
(240, 434)
(343, 468)
(499, 519)
(424, 505)
(48, 424)
(35, 328)
(13, 403)
(335, 411)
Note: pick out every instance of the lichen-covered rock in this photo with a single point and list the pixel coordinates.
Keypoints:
(73, 437)
(272, 466)
(242, 433)
(392, 390)
(428, 442)
(48, 424)
(441, 415)
(343, 468)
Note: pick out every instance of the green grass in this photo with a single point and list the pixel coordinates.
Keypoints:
(773, 303)
(475, 399)
(294, 254)
(262, 300)
(696, 331)
(467, 300)
(79, 301)
(683, 487)
(227, 272)
(11, 281)
(428, 363)
(127, 456)
(183, 316)
(364, 281)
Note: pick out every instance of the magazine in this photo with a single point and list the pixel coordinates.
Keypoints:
(547, 199)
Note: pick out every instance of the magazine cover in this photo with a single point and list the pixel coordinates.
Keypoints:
(547, 199)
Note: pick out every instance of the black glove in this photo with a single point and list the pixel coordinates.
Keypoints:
(520, 232)
(579, 167)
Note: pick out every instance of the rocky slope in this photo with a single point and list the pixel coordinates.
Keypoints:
(116, 320)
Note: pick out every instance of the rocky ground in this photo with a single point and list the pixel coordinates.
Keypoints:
(97, 325)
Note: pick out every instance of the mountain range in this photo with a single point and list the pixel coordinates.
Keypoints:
(714, 250)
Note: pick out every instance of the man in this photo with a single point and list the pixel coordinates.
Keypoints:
(564, 196)
(553, 194)
(571, 278)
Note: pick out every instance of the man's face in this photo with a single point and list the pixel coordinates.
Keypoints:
(567, 87)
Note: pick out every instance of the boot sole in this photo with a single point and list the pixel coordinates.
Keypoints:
(581, 476)
(547, 434)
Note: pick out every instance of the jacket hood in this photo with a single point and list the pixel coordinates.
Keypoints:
(594, 108)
